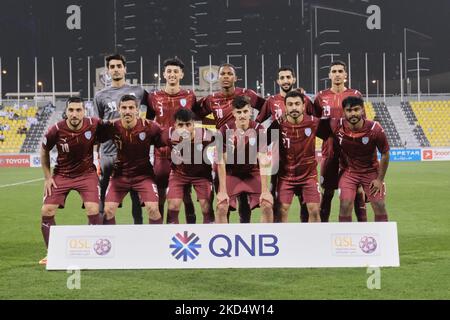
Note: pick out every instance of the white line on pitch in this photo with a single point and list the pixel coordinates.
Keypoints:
(20, 183)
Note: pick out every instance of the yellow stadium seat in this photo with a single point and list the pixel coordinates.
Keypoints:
(434, 117)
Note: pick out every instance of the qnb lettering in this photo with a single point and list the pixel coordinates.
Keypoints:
(262, 245)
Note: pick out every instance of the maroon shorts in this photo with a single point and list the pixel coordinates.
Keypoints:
(329, 173)
(86, 185)
(178, 184)
(349, 182)
(308, 190)
(119, 186)
(162, 168)
(250, 185)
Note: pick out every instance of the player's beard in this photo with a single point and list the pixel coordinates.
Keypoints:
(75, 123)
(295, 115)
(351, 120)
(117, 77)
(289, 89)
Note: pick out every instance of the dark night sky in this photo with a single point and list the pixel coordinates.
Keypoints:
(30, 28)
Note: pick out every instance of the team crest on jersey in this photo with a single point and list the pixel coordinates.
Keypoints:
(308, 132)
(142, 136)
(88, 135)
(252, 141)
(365, 140)
(183, 102)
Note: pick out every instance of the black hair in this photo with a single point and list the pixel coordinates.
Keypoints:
(294, 94)
(229, 65)
(129, 97)
(240, 102)
(74, 100)
(338, 63)
(286, 68)
(115, 57)
(352, 101)
(184, 115)
(175, 61)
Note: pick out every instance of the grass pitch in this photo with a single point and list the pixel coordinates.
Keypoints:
(418, 199)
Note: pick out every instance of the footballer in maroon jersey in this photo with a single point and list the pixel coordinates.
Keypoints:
(328, 103)
(359, 139)
(297, 173)
(133, 169)
(162, 106)
(220, 105)
(275, 108)
(74, 139)
(242, 164)
(190, 164)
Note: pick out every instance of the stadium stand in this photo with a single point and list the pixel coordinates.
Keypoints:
(14, 126)
(36, 131)
(384, 118)
(434, 118)
(370, 112)
(412, 120)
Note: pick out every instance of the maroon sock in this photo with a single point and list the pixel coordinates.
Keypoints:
(110, 221)
(244, 209)
(172, 216)
(304, 214)
(345, 218)
(381, 218)
(276, 212)
(360, 207)
(189, 209)
(46, 223)
(325, 206)
(161, 201)
(207, 218)
(94, 219)
(157, 221)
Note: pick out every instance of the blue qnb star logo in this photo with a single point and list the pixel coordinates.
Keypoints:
(185, 246)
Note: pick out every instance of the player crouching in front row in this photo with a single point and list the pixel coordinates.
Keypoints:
(359, 140)
(243, 164)
(190, 165)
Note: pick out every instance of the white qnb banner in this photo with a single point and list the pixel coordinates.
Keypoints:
(290, 245)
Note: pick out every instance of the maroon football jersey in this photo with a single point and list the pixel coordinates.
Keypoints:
(297, 144)
(163, 106)
(196, 163)
(328, 104)
(235, 141)
(275, 108)
(133, 147)
(220, 105)
(75, 148)
(359, 148)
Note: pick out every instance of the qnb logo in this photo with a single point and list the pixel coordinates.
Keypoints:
(185, 246)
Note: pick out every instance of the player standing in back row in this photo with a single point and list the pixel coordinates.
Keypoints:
(328, 103)
(220, 105)
(162, 106)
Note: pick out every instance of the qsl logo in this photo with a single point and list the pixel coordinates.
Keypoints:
(102, 247)
(368, 244)
(185, 246)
